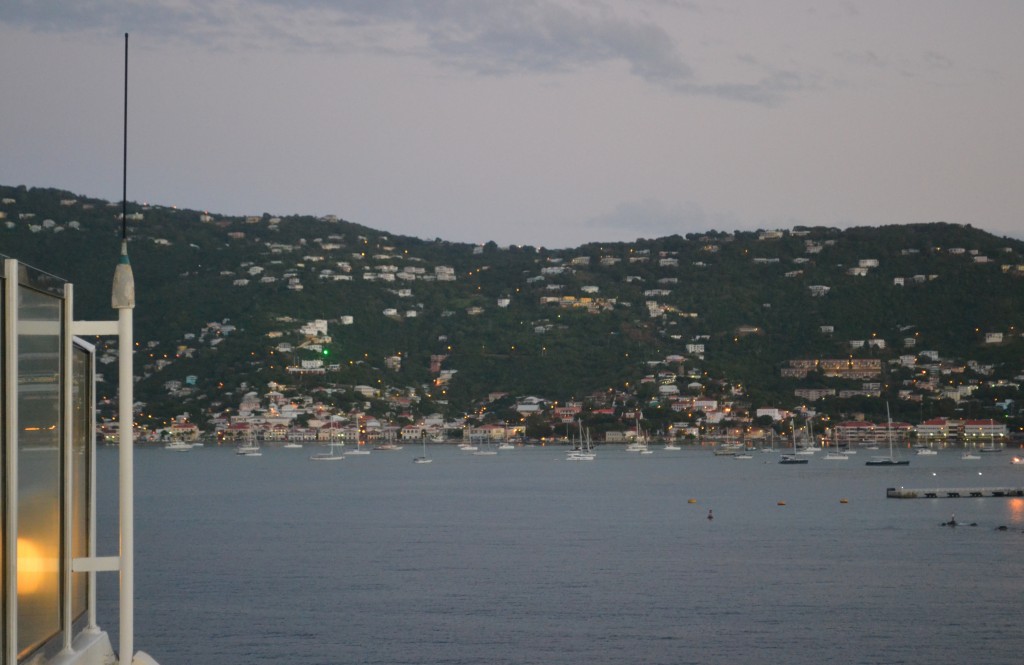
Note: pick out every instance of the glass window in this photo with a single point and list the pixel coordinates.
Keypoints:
(81, 451)
(39, 467)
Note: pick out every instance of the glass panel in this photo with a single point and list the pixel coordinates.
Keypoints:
(81, 403)
(39, 468)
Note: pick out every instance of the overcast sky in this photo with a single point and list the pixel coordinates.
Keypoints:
(542, 122)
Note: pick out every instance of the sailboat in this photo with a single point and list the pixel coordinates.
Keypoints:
(808, 448)
(992, 446)
(792, 459)
(486, 450)
(835, 455)
(890, 460)
(640, 444)
(388, 444)
(249, 447)
(505, 444)
(360, 444)
(585, 452)
(423, 459)
(329, 456)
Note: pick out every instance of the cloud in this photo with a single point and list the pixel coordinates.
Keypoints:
(483, 37)
(653, 218)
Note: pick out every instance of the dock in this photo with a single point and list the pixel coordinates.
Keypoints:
(952, 492)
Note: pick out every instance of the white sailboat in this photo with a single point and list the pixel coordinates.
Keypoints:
(585, 451)
(330, 456)
(487, 449)
(505, 444)
(249, 447)
(837, 455)
(808, 447)
(360, 448)
(639, 445)
(423, 459)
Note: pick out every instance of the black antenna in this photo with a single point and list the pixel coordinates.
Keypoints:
(124, 164)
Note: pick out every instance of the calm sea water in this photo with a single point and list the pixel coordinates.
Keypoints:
(526, 558)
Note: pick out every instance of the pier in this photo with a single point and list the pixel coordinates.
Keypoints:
(952, 492)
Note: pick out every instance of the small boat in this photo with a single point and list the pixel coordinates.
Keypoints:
(178, 446)
(926, 451)
(743, 456)
(292, 444)
(969, 455)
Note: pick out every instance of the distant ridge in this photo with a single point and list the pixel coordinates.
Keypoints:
(446, 323)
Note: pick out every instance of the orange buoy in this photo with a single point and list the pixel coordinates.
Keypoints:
(782, 503)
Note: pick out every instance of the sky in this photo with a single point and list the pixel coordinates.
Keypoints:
(537, 122)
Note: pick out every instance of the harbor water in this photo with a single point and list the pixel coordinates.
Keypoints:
(526, 558)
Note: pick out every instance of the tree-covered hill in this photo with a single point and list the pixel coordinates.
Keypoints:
(221, 299)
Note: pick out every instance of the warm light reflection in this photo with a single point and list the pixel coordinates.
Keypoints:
(1017, 509)
(33, 568)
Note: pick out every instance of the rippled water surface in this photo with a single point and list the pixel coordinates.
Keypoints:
(526, 558)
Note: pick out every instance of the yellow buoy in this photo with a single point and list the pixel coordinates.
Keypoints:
(692, 501)
(843, 501)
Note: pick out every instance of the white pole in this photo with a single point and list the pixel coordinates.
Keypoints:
(127, 483)
(124, 302)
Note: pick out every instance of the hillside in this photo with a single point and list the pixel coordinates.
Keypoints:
(221, 301)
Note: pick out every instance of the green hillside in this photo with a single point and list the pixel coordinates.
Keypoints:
(560, 324)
